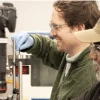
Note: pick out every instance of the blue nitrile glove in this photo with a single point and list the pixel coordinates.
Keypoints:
(23, 40)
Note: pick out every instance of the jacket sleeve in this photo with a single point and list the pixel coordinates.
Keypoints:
(83, 96)
(92, 94)
(45, 48)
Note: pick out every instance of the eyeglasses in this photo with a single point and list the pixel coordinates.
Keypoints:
(95, 47)
(95, 51)
(55, 26)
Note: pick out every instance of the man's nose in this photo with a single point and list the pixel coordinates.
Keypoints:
(92, 55)
(53, 33)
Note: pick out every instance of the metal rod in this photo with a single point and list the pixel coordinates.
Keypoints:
(14, 74)
(20, 80)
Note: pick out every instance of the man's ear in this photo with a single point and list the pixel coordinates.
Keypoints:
(81, 27)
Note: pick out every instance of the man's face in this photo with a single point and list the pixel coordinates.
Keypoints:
(95, 56)
(62, 32)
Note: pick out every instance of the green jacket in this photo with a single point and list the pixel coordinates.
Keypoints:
(92, 94)
(81, 75)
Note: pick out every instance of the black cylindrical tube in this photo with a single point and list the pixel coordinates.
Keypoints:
(3, 86)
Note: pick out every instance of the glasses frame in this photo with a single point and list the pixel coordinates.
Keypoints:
(55, 26)
(95, 47)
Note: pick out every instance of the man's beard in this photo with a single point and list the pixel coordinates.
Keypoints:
(98, 75)
(97, 69)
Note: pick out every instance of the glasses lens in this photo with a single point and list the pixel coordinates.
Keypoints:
(95, 47)
(53, 26)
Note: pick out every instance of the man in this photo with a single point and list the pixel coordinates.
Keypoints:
(92, 36)
(67, 54)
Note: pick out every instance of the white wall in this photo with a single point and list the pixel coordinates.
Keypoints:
(33, 15)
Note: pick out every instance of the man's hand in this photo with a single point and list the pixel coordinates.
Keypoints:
(23, 40)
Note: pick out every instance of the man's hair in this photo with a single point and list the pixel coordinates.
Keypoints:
(78, 12)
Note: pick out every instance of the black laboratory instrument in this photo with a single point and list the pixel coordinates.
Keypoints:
(7, 20)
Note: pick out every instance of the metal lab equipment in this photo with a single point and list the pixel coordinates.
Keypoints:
(7, 20)
(17, 69)
(36, 78)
